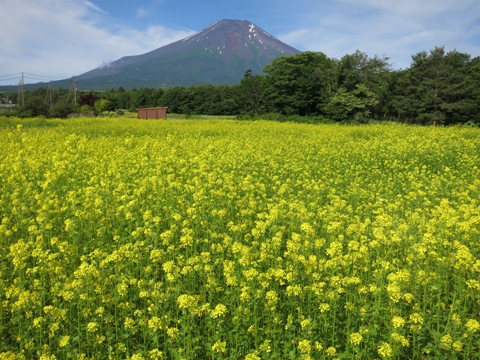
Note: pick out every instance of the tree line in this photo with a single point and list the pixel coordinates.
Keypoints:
(439, 87)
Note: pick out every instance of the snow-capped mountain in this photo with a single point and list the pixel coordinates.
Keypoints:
(219, 54)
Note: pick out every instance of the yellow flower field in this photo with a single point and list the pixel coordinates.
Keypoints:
(222, 239)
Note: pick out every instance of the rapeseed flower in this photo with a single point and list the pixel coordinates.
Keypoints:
(155, 323)
(172, 332)
(129, 323)
(331, 351)
(186, 301)
(457, 346)
(356, 338)
(271, 298)
(92, 326)
(219, 311)
(265, 347)
(398, 322)
(385, 350)
(155, 354)
(219, 346)
(472, 325)
(304, 346)
(446, 342)
(324, 307)
(64, 340)
(400, 339)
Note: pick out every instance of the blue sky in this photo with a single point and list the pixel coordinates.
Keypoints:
(56, 39)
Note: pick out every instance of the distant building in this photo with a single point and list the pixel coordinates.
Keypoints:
(8, 106)
(6, 103)
(152, 113)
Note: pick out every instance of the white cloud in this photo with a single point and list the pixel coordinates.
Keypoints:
(94, 7)
(397, 29)
(142, 13)
(60, 38)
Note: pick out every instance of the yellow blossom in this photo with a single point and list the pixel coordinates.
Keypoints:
(219, 346)
(271, 298)
(356, 338)
(304, 346)
(186, 301)
(155, 354)
(305, 323)
(472, 325)
(457, 346)
(446, 342)
(219, 311)
(92, 327)
(155, 323)
(172, 332)
(136, 357)
(265, 346)
(398, 321)
(129, 323)
(400, 339)
(385, 350)
(64, 340)
(331, 351)
(324, 307)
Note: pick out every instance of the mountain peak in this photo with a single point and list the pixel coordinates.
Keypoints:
(238, 37)
(218, 54)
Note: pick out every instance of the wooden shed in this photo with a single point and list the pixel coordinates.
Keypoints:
(152, 113)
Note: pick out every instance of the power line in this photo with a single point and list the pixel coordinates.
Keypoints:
(16, 74)
(9, 79)
(28, 76)
(36, 78)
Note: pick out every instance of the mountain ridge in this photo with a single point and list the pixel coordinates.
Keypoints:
(221, 53)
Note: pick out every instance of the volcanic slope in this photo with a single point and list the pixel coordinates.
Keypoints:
(219, 54)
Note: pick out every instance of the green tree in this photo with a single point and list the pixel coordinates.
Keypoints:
(221, 100)
(471, 108)
(61, 109)
(173, 98)
(349, 105)
(101, 105)
(359, 68)
(35, 104)
(438, 88)
(299, 84)
(251, 94)
(373, 72)
(141, 98)
(85, 110)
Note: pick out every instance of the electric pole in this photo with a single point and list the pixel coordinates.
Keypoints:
(75, 91)
(21, 96)
(48, 96)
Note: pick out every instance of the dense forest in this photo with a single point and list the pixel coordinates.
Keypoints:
(439, 87)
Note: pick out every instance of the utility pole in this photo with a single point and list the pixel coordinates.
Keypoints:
(74, 90)
(48, 96)
(21, 96)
